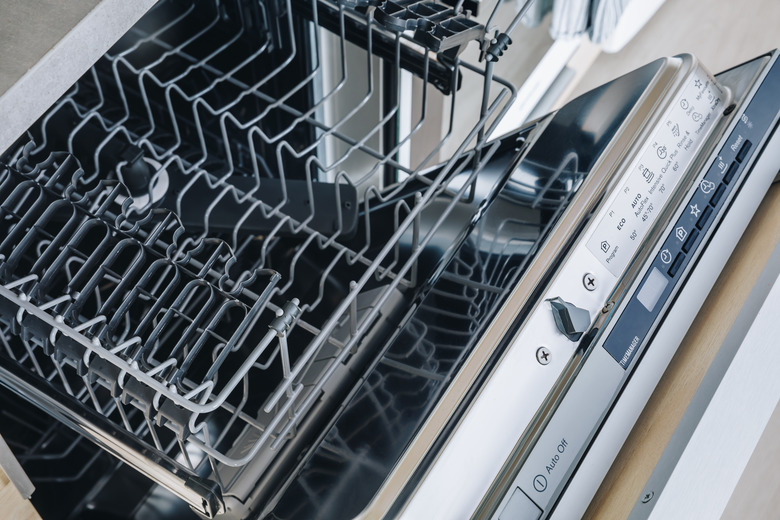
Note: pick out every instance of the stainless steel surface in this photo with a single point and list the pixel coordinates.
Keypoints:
(550, 152)
(565, 436)
(732, 345)
(520, 506)
(597, 402)
(698, 283)
(701, 483)
(741, 81)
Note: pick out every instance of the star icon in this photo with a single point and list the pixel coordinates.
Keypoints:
(695, 210)
(697, 83)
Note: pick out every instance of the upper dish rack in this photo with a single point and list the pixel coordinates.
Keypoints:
(236, 202)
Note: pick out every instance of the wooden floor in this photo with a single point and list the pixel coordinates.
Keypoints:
(12, 505)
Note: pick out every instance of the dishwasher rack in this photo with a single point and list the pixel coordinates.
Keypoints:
(210, 225)
(128, 324)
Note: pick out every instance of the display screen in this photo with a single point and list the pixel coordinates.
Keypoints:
(652, 289)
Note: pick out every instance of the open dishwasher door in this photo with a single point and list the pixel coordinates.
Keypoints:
(536, 438)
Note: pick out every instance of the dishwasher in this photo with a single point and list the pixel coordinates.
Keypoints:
(267, 260)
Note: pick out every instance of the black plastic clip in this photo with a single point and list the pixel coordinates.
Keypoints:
(497, 47)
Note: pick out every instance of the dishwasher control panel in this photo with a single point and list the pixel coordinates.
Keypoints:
(551, 462)
(655, 172)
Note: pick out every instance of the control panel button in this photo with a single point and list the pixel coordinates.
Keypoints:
(571, 320)
(731, 172)
(706, 213)
(678, 261)
(692, 236)
(743, 151)
(717, 195)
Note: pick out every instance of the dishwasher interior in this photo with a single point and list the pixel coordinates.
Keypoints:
(242, 256)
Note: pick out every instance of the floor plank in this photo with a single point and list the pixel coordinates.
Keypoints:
(12, 505)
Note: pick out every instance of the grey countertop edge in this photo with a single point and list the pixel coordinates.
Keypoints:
(40, 87)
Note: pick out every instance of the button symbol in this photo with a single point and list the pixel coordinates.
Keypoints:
(684, 104)
(680, 233)
(696, 117)
(695, 210)
(543, 355)
(676, 130)
(604, 246)
(661, 152)
(707, 186)
(540, 483)
(666, 256)
(697, 83)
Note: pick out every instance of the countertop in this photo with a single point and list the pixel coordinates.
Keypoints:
(47, 45)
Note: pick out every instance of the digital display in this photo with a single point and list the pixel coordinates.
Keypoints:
(652, 290)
